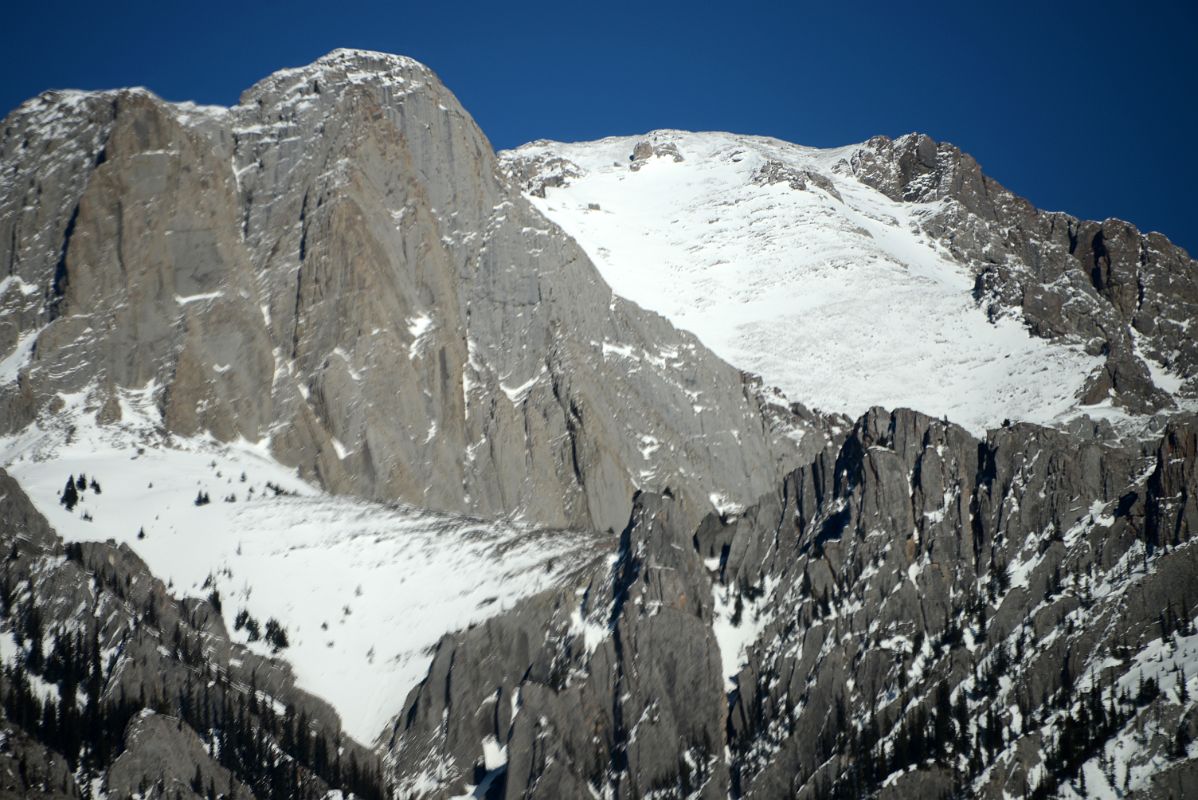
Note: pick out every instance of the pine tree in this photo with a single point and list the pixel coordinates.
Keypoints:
(276, 636)
(1066, 679)
(70, 495)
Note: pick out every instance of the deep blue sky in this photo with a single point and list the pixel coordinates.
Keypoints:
(1090, 108)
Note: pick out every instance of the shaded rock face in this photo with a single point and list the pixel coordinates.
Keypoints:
(337, 264)
(1126, 293)
(913, 597)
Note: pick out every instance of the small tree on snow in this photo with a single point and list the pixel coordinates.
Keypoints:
(70, 495)
(276, 636)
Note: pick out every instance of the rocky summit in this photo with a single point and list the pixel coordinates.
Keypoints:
(341, 456)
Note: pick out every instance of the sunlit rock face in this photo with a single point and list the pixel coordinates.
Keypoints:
(338, 266)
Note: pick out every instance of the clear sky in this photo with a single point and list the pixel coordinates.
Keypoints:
(1090, 108)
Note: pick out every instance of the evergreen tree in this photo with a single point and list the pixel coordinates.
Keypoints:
(70, 495)
(276, 636)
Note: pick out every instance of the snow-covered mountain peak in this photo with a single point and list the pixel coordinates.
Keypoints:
(786, 264)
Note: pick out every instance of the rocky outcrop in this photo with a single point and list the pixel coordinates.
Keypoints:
(647, 149)
(773, 171)
(534, 176)
(1125, 293)
(912, 571)
(338, 265)
(164, 754)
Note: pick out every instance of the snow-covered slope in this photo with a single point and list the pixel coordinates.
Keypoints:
(363, 590)
(786, 265)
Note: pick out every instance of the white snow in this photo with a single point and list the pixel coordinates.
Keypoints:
(196, 298)
(10, 652)
(735, 637)
(364, 590)
(843, 305)
(418, 326)
(16, 282)
(516, 394)
(11, 364)
(494, 754)
(1162, 377)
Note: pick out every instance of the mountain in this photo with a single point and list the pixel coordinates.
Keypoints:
(332, 466)
(890, 273)
(336, 266)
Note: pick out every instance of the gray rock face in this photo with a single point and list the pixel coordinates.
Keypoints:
(162, 751)
(337, 264)
(646, 149)
(913, 597)
(1125, 292)
(916, 557)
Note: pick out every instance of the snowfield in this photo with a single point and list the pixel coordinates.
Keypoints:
(364, 590)
(843, 303)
